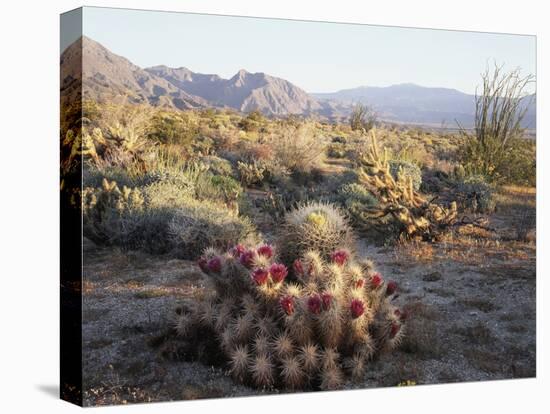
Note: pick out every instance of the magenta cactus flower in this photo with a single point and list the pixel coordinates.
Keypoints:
(266, 250)
(326, 298)
(391, 288)
(202, 262)
(238, 250)
(357, 308)
(247, 258)
(376, 280)
(394, 330)
(298, 267)
(287, 303)
(340, 257)
(214, 264)
(278, 272)
(260, 276)
(314, 304)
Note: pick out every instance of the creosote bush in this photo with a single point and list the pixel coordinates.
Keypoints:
(315, 331)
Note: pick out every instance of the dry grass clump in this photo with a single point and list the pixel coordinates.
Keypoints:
(300, 148)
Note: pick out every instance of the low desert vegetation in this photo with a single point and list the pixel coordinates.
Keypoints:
(279, 213)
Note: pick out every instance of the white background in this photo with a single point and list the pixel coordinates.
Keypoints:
(29, 223)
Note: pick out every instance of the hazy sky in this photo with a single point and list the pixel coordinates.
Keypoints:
(318, 57)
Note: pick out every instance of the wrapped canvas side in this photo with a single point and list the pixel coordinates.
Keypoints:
(71, 211)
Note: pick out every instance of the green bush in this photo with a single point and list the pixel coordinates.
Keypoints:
(476, 194)
(252, 122)
(217, 165)
(159, 217)
(173, 128)
(402, 170)
(200, 224)
(355, 198)
(218, 188)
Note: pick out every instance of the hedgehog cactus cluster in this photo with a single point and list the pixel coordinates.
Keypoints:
(311, 323)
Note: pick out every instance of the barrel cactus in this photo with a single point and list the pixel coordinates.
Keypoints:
(315, 226)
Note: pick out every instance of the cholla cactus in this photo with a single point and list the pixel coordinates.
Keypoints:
(103, 207)
(399, 199)
(318, 331)
(319, 227)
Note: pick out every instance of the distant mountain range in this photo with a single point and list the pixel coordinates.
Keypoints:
(109, 77)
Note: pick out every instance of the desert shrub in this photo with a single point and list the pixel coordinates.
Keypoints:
(199, 224)
(252, 122)
(476, 194)
(317, 331)
(218, 188)
(217, 165)
(256, 151)
(203, 145)
(299, 149)
(173, 128)
(336, 150)
(339, 139)
(93, 176)
(362, 118)
(355, 198)
(314, 226)
(275, 173)
(158, 217)
(403, 170)
(250, 173)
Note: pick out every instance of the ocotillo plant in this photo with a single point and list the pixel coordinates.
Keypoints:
(315, 331)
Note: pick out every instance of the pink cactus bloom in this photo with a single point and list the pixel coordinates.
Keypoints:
(203, 264)
(376, 280)
(394, 330)
(278, 272)
(327, 300)
(287, 303)
(340, 257)
(266, 250)
(314, 304)
(247, 258)
(357, 308)
(391, 288)
(260, 276)
(298, 268)
(238, 250)
(214, 264)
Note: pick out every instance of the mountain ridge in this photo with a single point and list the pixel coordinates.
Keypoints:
(107, 76)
